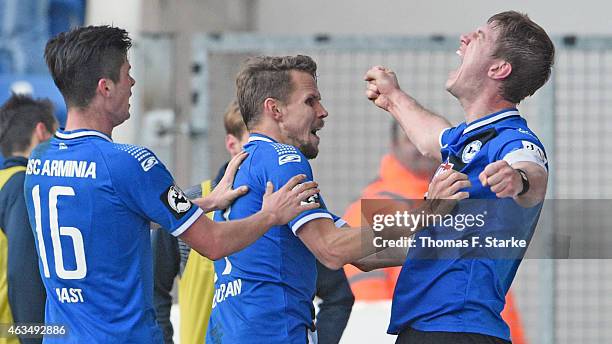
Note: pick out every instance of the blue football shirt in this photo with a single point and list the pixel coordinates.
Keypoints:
(461, 292)
(90, 202)
(264, 293)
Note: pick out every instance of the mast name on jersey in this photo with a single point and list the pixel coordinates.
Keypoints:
(69, 295)
(62, 168)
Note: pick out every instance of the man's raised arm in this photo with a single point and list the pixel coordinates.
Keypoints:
(422, 126)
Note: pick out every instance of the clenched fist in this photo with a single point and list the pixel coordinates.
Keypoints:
(503, 180)
(382, 83)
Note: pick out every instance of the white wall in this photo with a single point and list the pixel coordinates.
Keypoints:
(425, 16)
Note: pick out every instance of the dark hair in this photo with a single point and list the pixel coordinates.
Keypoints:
(268, 77)
(528, 49)
(232, 120)
(19, 115)
(79, 58)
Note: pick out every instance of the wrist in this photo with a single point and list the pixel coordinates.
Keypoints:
(399, 99)
(208, 204)
(524, 181)
(270, 218)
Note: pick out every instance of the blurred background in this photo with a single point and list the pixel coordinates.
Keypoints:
(186, 54)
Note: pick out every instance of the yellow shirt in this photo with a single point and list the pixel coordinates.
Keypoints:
(196, 290)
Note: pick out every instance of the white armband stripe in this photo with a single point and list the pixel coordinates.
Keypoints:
(196, 215)
(524, 154)
(296, 226)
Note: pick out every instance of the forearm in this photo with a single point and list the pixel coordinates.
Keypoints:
(422, 126)
(390, 257)
(205, 203)
(216, 240)
(538, 179)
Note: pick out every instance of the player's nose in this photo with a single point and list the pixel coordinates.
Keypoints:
(322, 111)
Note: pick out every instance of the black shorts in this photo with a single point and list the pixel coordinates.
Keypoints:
(412, 336)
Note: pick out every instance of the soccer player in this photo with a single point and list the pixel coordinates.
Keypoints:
(502, 62)
(90, 201)
(264, 292)
(24, 123)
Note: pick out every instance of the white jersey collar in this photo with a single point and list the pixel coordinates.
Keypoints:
(260, 137)
(75, 134)
(497, 116)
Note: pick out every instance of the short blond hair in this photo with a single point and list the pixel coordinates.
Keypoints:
(232, 120)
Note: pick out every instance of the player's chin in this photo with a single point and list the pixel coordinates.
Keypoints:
(310, 150)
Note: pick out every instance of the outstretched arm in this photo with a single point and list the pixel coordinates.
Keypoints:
(422, 126)
(215, 240)
(389, 257)
(336, 247)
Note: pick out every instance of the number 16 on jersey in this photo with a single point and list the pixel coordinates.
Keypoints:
(80, 271)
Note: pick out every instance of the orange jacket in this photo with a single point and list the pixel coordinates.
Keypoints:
(396, 182)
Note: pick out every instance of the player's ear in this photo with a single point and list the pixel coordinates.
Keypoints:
(105, 87)
(500, 70)
(232, 144)
(41, 133)
(272, 108)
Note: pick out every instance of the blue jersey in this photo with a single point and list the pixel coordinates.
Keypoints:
(460, 293)
(264, 293)
(90, 202)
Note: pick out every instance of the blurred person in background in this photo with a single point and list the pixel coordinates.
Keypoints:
(24, 123)
(173, 257)
(403, 176)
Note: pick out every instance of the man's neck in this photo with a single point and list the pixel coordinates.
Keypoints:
(480, 108)
(88, 119)
(272, 133)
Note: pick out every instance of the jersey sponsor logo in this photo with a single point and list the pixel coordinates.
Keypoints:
(537, 151)
(283, 159)
(63, 146)
(149, 163)
(470, 151)
(176, 201)
(62, 168)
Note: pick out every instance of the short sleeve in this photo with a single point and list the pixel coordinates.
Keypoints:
(144, 184)
(338, 221)
(448, 135)
(524, 150)
(283, 162)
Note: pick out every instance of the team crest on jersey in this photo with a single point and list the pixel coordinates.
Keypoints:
(176, 201)
(283, 159)
(149, 163)
(470, 151)
(312, 199)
